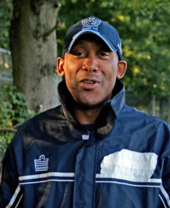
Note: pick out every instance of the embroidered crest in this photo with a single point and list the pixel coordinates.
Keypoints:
(41, 164)
(91, 23)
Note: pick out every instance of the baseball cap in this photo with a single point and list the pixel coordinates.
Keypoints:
(93, 25)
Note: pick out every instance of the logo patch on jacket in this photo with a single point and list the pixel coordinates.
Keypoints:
(127, 164)
(41, 164)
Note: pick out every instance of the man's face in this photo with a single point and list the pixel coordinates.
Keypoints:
(90, 71)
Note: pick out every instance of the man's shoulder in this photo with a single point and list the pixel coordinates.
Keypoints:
(46, 116)
(41, 123)
(140, 116)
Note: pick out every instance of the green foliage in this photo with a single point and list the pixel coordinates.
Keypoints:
(146, 47)
(13, 112)
(5, 16)
(13, 105)
(5, 138)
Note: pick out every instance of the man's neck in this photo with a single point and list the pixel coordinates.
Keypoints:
(86, 115)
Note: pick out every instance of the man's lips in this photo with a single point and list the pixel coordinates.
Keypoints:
(89, 83)
(89, 80)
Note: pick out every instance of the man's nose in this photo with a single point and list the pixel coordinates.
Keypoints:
(90, 64)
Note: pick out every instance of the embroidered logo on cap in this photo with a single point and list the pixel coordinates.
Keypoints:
(41, 164)
(91, 23)
(120, 47)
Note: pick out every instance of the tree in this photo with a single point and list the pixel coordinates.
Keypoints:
(34, 51)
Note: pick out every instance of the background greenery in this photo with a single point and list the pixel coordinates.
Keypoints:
(5, 17)
(13, 112)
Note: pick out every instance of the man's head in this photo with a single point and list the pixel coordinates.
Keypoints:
(91, 62)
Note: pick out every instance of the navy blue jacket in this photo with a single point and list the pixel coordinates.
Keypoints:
(123, 162)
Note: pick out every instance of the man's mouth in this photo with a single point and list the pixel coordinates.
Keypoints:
(89, 84)
(89, 81)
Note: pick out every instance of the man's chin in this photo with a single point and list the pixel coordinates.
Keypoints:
(90, 105)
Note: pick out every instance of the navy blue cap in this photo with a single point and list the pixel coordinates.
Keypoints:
(93, 25)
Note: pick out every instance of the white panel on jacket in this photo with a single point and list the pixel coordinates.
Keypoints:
(127, 164)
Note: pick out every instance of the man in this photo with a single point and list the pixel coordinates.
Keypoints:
(93, 151)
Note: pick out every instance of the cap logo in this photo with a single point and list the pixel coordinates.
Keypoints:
(120, 47)
(91, 23)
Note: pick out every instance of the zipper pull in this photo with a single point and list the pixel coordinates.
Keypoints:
(85, 137)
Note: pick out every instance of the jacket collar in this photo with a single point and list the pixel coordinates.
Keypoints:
(110, 111)
(118, 97)
(116, 102)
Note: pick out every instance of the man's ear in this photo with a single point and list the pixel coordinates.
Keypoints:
(60, 66)
(122, 66)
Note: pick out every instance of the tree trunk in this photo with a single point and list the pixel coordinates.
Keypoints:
(34, 51)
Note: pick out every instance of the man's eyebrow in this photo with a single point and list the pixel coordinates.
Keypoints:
(78, 43)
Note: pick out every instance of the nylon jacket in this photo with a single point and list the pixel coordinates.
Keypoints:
(123, 162)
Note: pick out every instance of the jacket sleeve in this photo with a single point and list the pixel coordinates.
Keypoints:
(10, 190)
(165, 188)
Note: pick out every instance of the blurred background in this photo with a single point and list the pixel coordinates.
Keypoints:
(31, 38)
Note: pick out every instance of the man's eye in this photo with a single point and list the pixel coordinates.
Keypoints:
(78, 53)
(103, 53)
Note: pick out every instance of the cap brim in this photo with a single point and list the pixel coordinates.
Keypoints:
(88, 31)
